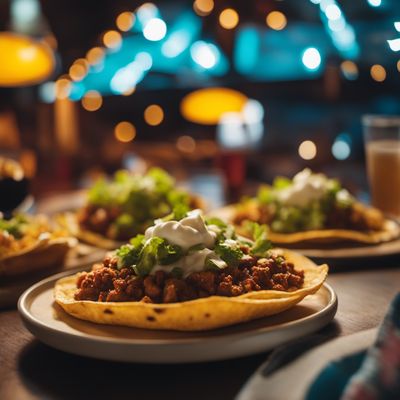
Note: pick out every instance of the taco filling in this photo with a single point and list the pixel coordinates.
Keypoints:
(23, 232)
(130, 203)
(308, 202)
(187, 259)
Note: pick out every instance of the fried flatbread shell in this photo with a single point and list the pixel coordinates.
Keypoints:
(390, 231)
(195, 315)
(45, 253)
(69, 222)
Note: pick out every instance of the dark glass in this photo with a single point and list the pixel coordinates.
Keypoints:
(14, 186)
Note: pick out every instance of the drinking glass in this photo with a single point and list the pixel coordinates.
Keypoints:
(382, 147)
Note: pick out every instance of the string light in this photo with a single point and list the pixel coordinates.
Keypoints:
(307, 150)
(203, 7)
(276, 20)
(95, 55)
(378, 73)
(153, 115)
(229, 18)
(112, 39)
(186, 144)
(92, 100)
(125, 21)
(77, 72)
(124, 131)
(62, 88)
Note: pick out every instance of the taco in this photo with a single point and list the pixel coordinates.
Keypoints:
(30, 243)
(190, 274)
(124, 207)
(311, 208)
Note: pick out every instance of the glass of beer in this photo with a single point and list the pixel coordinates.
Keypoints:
(382, 147)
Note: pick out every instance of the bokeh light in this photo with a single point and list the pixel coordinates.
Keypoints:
(155, 30)
(95, 55)
(186, 144)
(112, 39)
(125, 21)
(375, 3)
(124, 131)
(203, 7)
(129, 91)
(62, 88)
(333, 12)
(341, 148)
(378, 73)
(77, 72)
(154, 115)
(92, 100)
(47, 92)
(276, 20)
(398, 65)
(204, 54)
(311, 58)
(229, 18)
(349, 70)
(307, 150)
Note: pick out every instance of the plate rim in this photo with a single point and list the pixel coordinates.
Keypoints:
(26, 315)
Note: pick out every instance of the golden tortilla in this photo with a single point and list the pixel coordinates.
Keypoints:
(69, 222)
(390, 231)
(46, 253)
(195, 315)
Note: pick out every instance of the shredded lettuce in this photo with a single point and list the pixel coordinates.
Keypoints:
(168, 253)
(281, 182)
(14, 226)
(138, 200)
(259, 234)
(291, 218)
(128, 254)
(142, 255)
(231, 254)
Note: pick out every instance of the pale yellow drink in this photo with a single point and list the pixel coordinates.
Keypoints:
(383, 164)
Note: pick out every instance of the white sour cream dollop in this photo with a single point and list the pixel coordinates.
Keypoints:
(186, 233)
(306, 188)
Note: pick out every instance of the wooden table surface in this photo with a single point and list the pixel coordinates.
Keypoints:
(32, 370)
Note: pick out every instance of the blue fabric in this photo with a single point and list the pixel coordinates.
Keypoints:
(370, 375)
(331, 382)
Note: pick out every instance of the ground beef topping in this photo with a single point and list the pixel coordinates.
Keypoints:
(106, 283)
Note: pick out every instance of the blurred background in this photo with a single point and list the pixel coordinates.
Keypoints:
(221, 93)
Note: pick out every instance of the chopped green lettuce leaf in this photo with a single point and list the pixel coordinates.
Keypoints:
(168, 253)
(281, 182)
(14, 226)
(265, 194)
(148, 256)
(259, 233)
(128, 254)
(231, 254)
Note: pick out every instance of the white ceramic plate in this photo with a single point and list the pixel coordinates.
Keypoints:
(79, 257)
(50, 324)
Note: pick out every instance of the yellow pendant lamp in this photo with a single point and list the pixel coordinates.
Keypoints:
(206, 106)
(24, 61)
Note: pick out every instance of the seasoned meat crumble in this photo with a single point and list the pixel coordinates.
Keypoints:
(107, 283)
